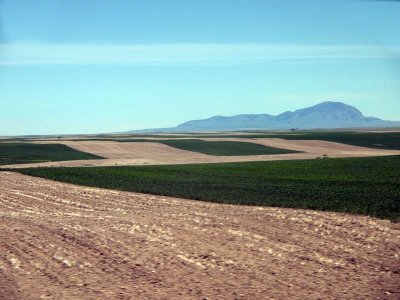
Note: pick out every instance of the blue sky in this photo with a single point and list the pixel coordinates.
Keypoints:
(104, 66)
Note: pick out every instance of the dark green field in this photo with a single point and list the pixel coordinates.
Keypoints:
(367, 186)
(224, 148)
(21, 153)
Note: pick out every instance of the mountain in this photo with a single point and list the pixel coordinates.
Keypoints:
(327, 114)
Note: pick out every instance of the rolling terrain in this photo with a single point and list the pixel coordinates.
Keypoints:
(153, 152)
(65, 241)
(61, 241)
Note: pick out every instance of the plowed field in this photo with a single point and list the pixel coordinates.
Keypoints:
(60, 241)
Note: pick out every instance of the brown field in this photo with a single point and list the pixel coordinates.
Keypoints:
(143, 153)
(60, 241)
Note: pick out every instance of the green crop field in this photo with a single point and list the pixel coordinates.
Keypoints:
(368, 186)
(224, 148)
(21, 153)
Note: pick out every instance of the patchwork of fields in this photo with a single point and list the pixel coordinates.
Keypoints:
(382, 140)
(93, 236)
(186, 150)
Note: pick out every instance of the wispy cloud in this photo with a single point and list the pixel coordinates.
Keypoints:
(181, 54)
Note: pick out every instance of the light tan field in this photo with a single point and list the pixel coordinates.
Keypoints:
(143, 153)
(60, 241)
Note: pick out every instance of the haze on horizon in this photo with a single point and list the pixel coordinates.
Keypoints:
(112, 66)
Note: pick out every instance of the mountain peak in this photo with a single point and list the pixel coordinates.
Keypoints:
(327, 111)
(332, 105)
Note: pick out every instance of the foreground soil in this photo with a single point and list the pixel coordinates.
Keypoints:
(60, 241)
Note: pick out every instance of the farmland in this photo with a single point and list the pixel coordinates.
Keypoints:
(323, 216)
(368, 186)
(21, 153)
(158, 150)
(376, 140)
(221, 148)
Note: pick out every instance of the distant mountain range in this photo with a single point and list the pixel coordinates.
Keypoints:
(325, 115)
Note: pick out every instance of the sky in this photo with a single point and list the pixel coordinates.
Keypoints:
(72, 66)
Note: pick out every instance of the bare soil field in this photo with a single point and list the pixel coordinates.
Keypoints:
(151, 153)
(60, 241)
